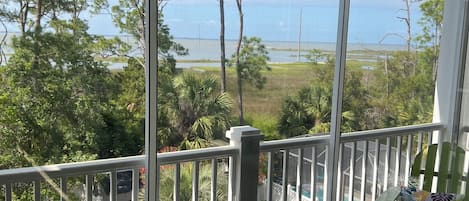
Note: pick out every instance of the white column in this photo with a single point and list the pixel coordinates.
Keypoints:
(151, 71)
(447, 104)
(450, 75)
(337, 97)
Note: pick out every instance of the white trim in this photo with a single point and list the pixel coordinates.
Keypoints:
(337, 97)
(151, 71)
(450, 72)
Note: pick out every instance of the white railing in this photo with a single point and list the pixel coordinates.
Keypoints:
(299, 162)
(35, 175)
(388, 143)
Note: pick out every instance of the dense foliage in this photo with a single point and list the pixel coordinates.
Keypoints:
(55, 96)
(309, 110)
(60, 103)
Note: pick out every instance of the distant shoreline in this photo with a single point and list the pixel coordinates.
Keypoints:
(206, 52)
(127, 36)
(286, 41)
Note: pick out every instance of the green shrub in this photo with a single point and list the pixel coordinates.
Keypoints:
(266, 123)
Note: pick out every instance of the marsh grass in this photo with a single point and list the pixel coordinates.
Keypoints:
(283, 80)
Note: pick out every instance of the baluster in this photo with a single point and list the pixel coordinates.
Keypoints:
(299, 175)
(364, 169)
(286, 156)
(374, 192)
(37, 190)
(270, 167)
(63, 188)
(177, 181)
(89, 187)
(430, 136)
(326, 165)
(135, 184)
(313, 175)
(387, 164)
(398, 161)
(420, 142)
(158, 179)
(213, 193)
(8, 189)
(340, 174)
(195, 181)
(113, 186)
(408, 160)
(352, 171)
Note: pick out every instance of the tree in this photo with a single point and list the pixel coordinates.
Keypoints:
(195, 110)
(222, 46)
(189, 111)
(129, 17)
(309, 111)
(408, 23)
(237, 60)
(315, 55)
(56, 96)
(431, 22)
(409, 95)
(250, 62)
(410, 77)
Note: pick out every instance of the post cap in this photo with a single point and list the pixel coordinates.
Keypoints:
(236, 133)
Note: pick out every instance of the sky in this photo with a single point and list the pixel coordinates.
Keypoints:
(278, 20)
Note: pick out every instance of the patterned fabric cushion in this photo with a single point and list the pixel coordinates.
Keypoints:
(441, 197)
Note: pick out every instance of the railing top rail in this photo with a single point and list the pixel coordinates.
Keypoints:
(294, 143)
(114, 164)
(348, 137)
(389, 132)
(70, 169)
(196, 154)
(125, 163)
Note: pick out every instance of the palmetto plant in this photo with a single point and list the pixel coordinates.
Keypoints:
(309, 111)
(196, 110)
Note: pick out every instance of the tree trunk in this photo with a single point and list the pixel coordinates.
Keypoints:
(23, 15)
(222, 46)
(141, 27)
(37, 23)
(298, 59)
(409, 30)
(238, 67)
(75, 10)
(436, 44)
(37, 32)
(407, 20)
